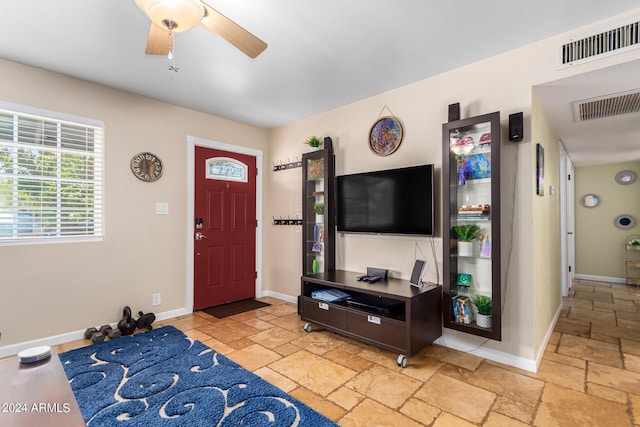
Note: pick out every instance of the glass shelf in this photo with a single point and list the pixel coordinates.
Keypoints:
(471, 178)
(318, 239)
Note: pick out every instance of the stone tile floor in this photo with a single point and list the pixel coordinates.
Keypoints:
(589, 376)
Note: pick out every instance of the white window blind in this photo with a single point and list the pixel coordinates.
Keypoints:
(50, 178)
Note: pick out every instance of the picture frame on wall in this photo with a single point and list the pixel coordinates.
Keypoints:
(539, 169)
(385, 136)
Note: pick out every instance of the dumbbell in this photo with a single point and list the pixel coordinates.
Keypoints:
(95, 335)
(110, 332)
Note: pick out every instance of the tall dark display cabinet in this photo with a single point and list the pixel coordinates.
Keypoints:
(318, 211)
(471, 199)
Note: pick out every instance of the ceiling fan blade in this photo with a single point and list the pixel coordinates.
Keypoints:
(159, 41)
(242, 39)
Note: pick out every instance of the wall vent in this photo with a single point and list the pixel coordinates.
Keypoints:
(596, 46)
(606, 106)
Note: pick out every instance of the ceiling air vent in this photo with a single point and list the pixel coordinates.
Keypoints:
(597, 46)
(607, 106)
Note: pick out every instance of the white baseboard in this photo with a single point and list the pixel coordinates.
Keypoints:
(547, 337)
(530, 365)
(600, 278)
(487, 353)
(10, 350)
(284, 297)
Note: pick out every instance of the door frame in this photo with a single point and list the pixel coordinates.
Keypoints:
(564, 260)
(571, 221)
(192, 142)
(567, 247)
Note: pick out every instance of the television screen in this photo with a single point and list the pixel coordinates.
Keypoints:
(394, 201)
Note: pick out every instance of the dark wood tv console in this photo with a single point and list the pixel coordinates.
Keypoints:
(413, 321)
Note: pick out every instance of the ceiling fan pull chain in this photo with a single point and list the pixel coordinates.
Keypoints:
(172, 63)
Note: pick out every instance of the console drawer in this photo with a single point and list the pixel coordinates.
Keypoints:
(324, 313)
(377, 328)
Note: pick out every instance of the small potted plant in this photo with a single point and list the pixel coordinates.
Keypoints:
(314, 142)
(466, 234)
(318, 208)
(484, 306)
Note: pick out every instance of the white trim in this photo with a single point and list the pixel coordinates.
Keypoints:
(278, 295)
(10, 350)
(52, 240)
(600, 278)
(487, 353)
(547, 337)
(530, 365)
(564, 236)
(51, 115)
(192, 142)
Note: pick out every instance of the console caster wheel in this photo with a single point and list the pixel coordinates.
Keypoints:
(402, 361)
(308, 328)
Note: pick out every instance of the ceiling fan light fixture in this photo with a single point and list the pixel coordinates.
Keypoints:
(184, 14)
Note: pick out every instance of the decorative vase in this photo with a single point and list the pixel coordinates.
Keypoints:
(320, 218)
(483, 321)
(465, 248)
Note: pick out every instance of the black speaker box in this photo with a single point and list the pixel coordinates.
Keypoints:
(454, 112)
(515, 127)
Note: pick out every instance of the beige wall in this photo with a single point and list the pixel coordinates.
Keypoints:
(52, 289)
(546, 225)
(599, 243)
(501, 83)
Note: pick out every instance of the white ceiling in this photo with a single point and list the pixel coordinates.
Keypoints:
(600, 141)
(321, 54)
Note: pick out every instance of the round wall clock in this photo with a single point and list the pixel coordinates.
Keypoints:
(146, 167)
(385, 136)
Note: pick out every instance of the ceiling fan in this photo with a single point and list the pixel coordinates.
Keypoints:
(169, 16)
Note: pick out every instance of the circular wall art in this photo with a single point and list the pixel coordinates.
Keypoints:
(625, 221)
(626, 177)
(385, 136)
(590, 200)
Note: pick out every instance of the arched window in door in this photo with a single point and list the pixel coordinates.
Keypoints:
(226, 169)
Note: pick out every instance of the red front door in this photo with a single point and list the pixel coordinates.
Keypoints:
(225, 227)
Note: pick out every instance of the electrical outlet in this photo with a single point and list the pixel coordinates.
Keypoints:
(157, 299)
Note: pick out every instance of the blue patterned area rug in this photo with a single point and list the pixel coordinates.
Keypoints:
(163, 378)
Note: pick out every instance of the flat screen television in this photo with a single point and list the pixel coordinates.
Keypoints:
(393, 201)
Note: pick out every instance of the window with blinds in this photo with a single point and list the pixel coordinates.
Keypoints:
(50, 178)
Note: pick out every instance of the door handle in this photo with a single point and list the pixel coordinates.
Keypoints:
(200, 236)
